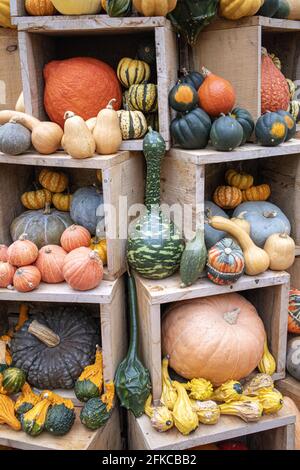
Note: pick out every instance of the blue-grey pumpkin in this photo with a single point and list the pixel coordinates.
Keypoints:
(293, 357)
(87, 209)
(213, 236)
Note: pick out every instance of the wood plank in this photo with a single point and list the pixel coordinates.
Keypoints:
(268, 24)
(291, 388)
(295, 273)
(10, 70)
(282, 438)
(17, 8)
(142, 433)
(168, 290)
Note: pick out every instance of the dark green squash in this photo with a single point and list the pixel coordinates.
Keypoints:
(194, 79)
(147, 51)
(226, 134)
(193, 260)
(191, 16)
(183, 97)
(60, 419)
(191, 131)
(290, 124)
(13, 379)
(269, 8)
(118, 8)
(245, 119)
(270, 129)
(94, 414)
(283, 10)
(132, 379)
(154, 245)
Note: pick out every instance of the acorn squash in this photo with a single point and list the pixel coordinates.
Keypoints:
(191, 131)
(271, 129)
(269, 8)
(245, 119)
(226, 134)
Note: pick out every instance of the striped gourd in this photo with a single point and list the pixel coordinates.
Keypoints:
(294, 311)
(133, 124)
(154, 244)
(143, 97)
(35, 200)
(225, 263)
(294, 109)
(292, 88)
(132, 72)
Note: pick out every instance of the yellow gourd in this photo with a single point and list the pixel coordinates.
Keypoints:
(78, 140)
(208, 412)
(35, 200)
(238, 180)
(20, 106)
(185, 418)
(33, 421)
(7, 413)
(271, 401)
(62, 202)
(109, 395)
(55, 399)
(229, 391)
(161, 417)
(257, 260)
(100, 246)
(200, 389)
(154, 7)
(77, 7)
(89, 384)
(249, 411)
(241, 222)
(107, 132)
(27, 397)
(260, 382)
(169, 394)
(236, 9)
(267, 364)
(5, 14)
(281, 250)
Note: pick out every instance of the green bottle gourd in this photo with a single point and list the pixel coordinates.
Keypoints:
(193, 260)
(132, 379)
(154, 244)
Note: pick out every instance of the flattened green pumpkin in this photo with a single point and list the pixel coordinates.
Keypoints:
(271, 129)
(183, 97)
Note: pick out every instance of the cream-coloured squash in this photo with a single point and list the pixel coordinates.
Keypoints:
(77, 7)
(281, 250)
(154, 7)
(91, 123)
(78, 140)
(107, 132)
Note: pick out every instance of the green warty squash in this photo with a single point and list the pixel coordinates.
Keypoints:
(193, 260)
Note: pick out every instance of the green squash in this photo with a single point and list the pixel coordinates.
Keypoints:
(191, 131)
(13, 380)
(85, 209)
(183, 97)
(290, 124)
(147, 51)
(193, 260)
(94, 414)
(191, 16)
(269, 8)
(23, 409)
(226, 134)
(143, 97)
(118, 8)
(245, 119)
(194, 79)
(132, 380)
(154, 245)
(283, 10)
(60, 420)
(15, 139)
(271, 129)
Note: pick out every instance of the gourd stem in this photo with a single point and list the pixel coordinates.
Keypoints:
(44, 334)
(111, 103)
(231, 317)
(270, 214)
(47, 209)
(132, 351)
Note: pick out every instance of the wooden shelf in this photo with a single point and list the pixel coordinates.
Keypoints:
(267, 24)
(290, 387)
(143, 436)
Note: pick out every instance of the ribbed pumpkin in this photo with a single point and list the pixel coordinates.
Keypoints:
(50, 263)
(227, 197)
(238, 180)
(3, 253)
(22, 252)
(133, 124)
(39, 7)
(78, 7)
(191, 130)
(100, 246)
(83, 269)
(226, 134)
(7, 272)
(5, 14)
(132, 72)
(75, 237)
(154, 7)
(294, 311)
(98, 84)
(62, 202)
(234, 10)
(257, 193)
(216, 95)
(27, 279)
(183, 97)
(143, 97)
(35, 200)
(275, 93)
(53, 181)
(271, 129)
(225, 262)
(194, 79)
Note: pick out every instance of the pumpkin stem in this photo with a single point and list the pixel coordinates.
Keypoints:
(283, 235)
(111, 103)
(270, 214)
(68, 115)
(231, 317)
(44, 334)
(205, 72)
(94, 255)
(47, 209)
(23, 237)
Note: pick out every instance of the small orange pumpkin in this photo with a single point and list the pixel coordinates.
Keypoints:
(3, 253)
(7, 272)
(50, 263)
(83, 269)
(74, 237)
(227, 197)
(54, 181)
(39, 7)
(257, 193)
(27, 278)
(22, 252)
(62, 202)
(216, 95)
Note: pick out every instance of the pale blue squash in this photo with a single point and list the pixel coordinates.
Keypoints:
(213, 236)
(87, 209)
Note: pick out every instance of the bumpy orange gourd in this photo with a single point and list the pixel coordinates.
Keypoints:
(83, 269)
(257, 193)
(7, 272)
(216, 95)
(275, 93)
(227, 197)
(39, 7)
(27, 279)
(50, 263)
(75, 237)
(3, 253)
(22, 252)
(86, 96)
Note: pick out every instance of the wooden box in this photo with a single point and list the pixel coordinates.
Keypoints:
(43, 39)
(10, 71)
(295, 273)
(123, 186)
(291, 388)
(268, 292)
(275, 432)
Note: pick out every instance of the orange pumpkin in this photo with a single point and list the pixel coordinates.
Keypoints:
(98, 84)
(216, 95)
(83, 269)
(275, 94)
(217, 338)
(227, 197)
(27, 278)
(257, 193)
(39, 7)
(74, 237)
(3, 253)
(22, 252)
(50, 263)
(7, 272)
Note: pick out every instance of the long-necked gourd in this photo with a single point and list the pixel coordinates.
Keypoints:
(78, 140)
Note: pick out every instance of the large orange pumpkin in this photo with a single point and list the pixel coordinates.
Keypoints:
(50, 263)
(83, 269)
(275, 93)
(217, 338)
(82, 85)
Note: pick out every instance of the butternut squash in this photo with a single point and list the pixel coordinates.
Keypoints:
(107, 132)
(78, 140)
(91, 123)
(8, 114)
(257, 260)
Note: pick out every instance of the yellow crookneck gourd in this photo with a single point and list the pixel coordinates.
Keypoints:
(259, 383)
(33, 421)
(185, 418)
(78, 140)
(199, 389)
(107, 132)
(267, 365)
(89, 384)
(241, 222)
(26, 401)
(228, 392)
(271, 401)
(161, 418)
(257, 260)
(169, 393)
(7, 413)
(208, 412)
(249, 411)
(55, 399)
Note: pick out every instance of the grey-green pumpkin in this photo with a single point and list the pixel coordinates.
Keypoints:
(87, 209)
(15, 139)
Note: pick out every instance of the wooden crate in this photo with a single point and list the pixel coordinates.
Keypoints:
(43, 39)
(291, 388)
(123, 177)
(275, 432)
(295, 273)
(268, 292)
(232, 49)
(10, 71)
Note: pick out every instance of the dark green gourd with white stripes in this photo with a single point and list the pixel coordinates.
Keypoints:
(154, 244)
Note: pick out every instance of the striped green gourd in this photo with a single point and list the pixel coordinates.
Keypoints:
(193, 260)
(13, 380)
(143, 97)
(154, 244)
